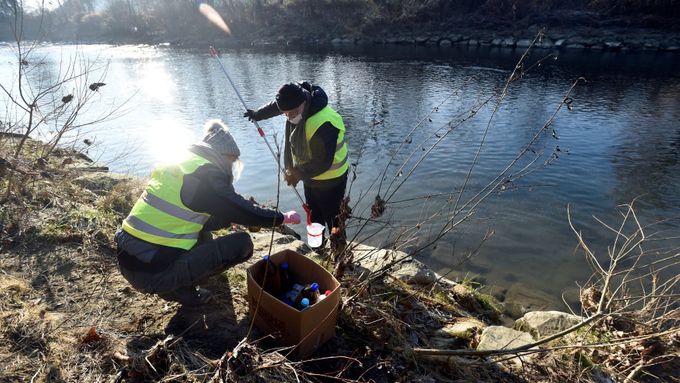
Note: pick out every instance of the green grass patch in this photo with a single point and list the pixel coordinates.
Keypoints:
(488, 302)
(79, 222)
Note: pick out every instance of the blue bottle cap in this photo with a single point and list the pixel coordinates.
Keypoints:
(284, 265)
(315, 286)
(266, 258)
(304, 302)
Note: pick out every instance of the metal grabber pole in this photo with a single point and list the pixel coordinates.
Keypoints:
(308, 211)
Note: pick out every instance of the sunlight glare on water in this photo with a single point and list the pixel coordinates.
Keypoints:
(166, 138)
(157, 83)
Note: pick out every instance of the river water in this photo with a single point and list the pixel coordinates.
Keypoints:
(618, 141)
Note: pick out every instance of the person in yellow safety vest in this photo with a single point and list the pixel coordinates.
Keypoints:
(159, 246)
(315, 148)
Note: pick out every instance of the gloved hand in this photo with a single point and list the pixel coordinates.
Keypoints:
(292, 177)
(291, 217)
(249, 114)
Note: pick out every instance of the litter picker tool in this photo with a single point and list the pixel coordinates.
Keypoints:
(214, 17)
(213, 52)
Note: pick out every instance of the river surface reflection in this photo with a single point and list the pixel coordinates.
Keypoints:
(619, 141)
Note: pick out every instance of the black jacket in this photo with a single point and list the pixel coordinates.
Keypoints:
(209, 190)
(322, 144)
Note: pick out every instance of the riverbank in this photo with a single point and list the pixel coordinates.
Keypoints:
(67, 314)
(546, 39)
(610, 25)
(591, 39)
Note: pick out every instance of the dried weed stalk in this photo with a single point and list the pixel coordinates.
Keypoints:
(630, 308)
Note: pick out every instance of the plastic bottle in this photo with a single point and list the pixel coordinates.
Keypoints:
(325, 295)
(314, 293)
(272, 279)
(304, 303)
(305, 292)
(286, 281)
(311, 292)
(294, 294)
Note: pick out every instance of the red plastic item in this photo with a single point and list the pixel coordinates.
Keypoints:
(308, 211)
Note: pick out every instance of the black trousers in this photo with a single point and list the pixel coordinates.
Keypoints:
(190, 268)
(324, 198)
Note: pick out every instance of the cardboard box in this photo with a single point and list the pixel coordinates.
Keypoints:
(308, 329)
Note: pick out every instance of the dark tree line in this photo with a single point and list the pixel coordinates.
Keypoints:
(168, 20)
(6, 8)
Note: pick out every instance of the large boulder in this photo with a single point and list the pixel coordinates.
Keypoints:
(374, 259)
(523, 43)
(414, 273)
(545, 323)
(445, 42)
(456, 334)
(508, 42)
(500, 337)
(464, 327)
(409, 271)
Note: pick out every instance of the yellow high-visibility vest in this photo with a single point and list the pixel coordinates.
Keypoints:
(341, 157)
(159, 216)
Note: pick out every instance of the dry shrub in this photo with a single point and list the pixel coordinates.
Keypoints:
(121, 197)
(23, 327)
(173, 357)
(13, 292)
(25, 331)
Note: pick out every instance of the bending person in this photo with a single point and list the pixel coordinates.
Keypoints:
(315, 150)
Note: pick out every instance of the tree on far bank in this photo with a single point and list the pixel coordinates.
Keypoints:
(41, 103)
(178, 20)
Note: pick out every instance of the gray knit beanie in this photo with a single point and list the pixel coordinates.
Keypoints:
(218, 138)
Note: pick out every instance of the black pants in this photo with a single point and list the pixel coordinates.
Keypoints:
(190, 268)
(324, 198)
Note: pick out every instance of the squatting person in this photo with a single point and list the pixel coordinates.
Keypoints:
(159, 251)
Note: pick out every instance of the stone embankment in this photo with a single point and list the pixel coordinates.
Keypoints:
(612, 41)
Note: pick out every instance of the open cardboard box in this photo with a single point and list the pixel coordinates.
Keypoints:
(308, 329)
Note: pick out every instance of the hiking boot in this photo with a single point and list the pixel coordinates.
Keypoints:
(188, 296)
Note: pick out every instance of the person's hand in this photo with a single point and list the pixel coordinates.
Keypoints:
(291, 218)
(249, 114)
(292, 177)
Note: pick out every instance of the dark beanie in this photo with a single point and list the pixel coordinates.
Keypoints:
(290, 96)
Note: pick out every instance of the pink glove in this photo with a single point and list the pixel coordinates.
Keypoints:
(291, 217)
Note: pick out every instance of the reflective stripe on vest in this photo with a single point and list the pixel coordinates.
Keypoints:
(159, 216)
(340, 159)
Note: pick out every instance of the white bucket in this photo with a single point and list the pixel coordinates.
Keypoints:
(314, 234)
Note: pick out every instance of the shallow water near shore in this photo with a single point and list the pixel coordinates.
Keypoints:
(619, 141)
